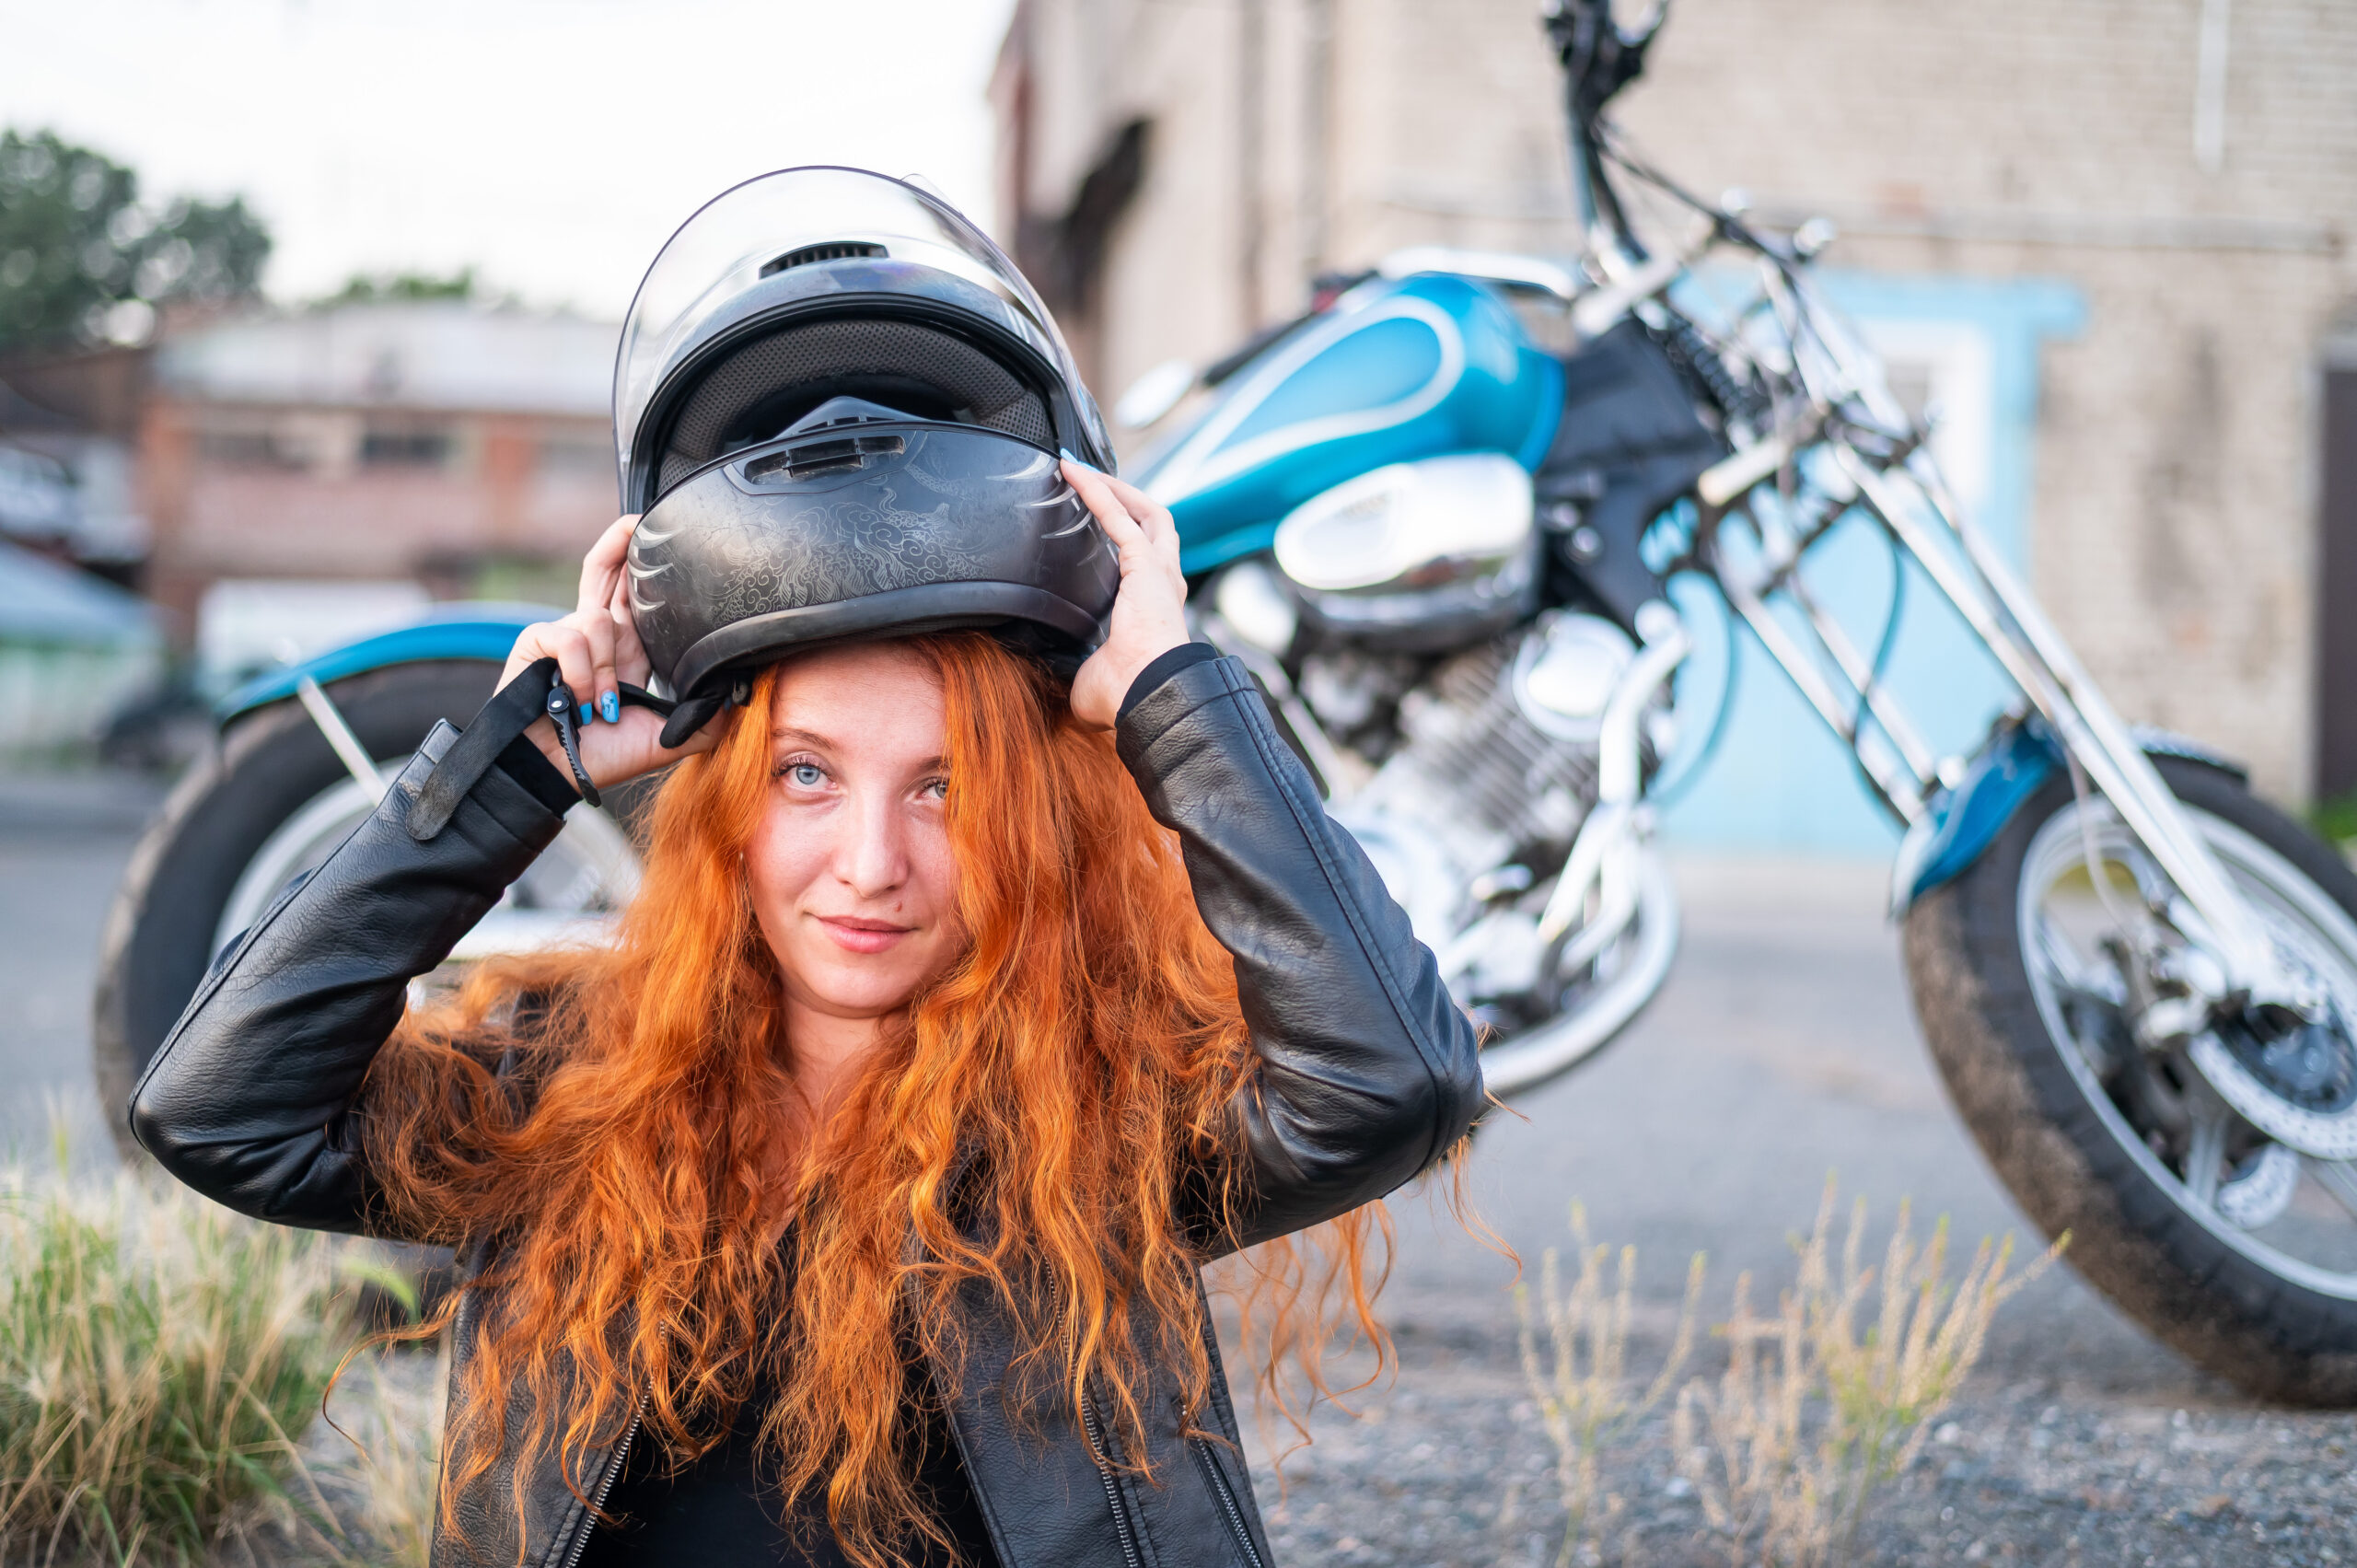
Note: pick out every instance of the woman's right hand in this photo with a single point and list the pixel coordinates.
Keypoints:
(596, 649)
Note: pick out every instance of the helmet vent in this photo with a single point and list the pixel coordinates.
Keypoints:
(836, 251)
(813, 457)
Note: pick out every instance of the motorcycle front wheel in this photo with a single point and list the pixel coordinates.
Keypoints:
(2237, 1250)
(272, 801)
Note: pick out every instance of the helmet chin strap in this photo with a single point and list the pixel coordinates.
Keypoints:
(538, 691)
(690, 714)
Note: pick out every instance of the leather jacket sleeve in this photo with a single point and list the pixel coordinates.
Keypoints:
(250, 1099)
(1368, 1072)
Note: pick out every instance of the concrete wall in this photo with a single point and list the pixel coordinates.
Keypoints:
(2169, 476)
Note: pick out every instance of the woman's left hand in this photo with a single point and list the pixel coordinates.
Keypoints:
(1149, 613)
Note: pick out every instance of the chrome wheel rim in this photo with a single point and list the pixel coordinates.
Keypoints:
(2292, 1214)
(569, 896)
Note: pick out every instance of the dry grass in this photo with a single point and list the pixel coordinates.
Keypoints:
(1822, 1402)
(1585, 1396)
(158, 1355)
(386, 1453)
(161, 1360)
(1819, 1404)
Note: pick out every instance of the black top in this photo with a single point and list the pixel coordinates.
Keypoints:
(724, 1511)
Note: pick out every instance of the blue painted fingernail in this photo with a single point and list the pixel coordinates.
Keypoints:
(609, 707)
(588, 713)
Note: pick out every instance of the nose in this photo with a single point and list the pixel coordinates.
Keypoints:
(871, 858)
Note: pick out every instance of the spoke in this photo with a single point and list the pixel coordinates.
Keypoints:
(346, 745)
(2206, 1153)
(2337, 1177)
(2061, 961)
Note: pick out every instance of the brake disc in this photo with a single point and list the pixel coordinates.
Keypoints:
(2261, 1189)
(2300, 1088)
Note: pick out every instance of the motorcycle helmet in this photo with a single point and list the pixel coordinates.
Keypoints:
(838, 410)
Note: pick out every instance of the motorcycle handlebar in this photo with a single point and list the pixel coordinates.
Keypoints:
(1598, 54)
(1599, 57)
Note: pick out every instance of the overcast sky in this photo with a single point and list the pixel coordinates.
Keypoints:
(551, 144)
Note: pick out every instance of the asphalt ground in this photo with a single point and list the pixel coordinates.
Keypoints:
(1781, 1051)
(65, 838)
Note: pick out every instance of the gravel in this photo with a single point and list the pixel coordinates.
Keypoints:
(1449, 1465)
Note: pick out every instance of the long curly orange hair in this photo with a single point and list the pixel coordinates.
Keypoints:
(1050, 1120)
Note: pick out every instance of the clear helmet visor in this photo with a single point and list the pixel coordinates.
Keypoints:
(749, 231)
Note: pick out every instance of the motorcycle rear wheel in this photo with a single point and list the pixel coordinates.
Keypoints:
(2050, 1094)
(271, 801)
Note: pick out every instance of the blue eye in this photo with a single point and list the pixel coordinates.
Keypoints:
(805, 775)
(938, 789)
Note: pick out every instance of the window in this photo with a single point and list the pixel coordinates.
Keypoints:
(405, 447)
(249, 448)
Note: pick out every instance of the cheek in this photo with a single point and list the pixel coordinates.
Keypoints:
(779, 864)
(933, 875)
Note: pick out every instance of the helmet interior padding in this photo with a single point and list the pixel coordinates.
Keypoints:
(892, 361)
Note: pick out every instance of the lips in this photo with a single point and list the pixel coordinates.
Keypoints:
(856, 935)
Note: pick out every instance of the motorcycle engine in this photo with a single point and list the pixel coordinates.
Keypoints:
(1418, 587)
(1493, 770)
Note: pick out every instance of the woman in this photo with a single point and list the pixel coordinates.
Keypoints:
(850, 1208)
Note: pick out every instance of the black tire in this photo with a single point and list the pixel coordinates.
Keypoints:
(159, 934)
(2223, 1309)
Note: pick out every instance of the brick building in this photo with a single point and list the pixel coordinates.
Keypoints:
(2110, 238)
(464, 448)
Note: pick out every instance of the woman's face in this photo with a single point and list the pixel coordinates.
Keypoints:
(849, 867)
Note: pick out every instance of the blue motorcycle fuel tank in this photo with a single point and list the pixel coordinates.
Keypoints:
(1423, 367)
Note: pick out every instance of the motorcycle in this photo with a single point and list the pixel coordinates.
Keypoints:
(1444, 552)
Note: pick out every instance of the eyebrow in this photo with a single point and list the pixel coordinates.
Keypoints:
(823, 743)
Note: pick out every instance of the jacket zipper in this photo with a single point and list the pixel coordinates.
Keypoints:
(605, 1487)
(1112, 1488)
(1096, 1453)
(1210, 1462)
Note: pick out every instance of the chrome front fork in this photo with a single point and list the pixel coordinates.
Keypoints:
(1604, 857)
(1911, 501)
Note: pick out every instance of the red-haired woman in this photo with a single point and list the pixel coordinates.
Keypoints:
(851, 1206)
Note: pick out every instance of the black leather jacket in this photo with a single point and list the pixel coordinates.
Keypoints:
(1366, 1073)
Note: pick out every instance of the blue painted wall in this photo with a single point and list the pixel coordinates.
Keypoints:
(1778, 781)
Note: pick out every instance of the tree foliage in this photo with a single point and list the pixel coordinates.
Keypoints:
(372, 289)
(82, 257)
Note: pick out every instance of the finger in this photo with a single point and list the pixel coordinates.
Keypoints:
(602, 567)
(1144, 507)
(529, 649)
(603, 692)
(629, 655)
(1152, 515)
(1099, 497)
(575, 664)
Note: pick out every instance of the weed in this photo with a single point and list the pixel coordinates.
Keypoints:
(1585, 1395)
(385, 1454)
(1818, 1406)
(158, 1356)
